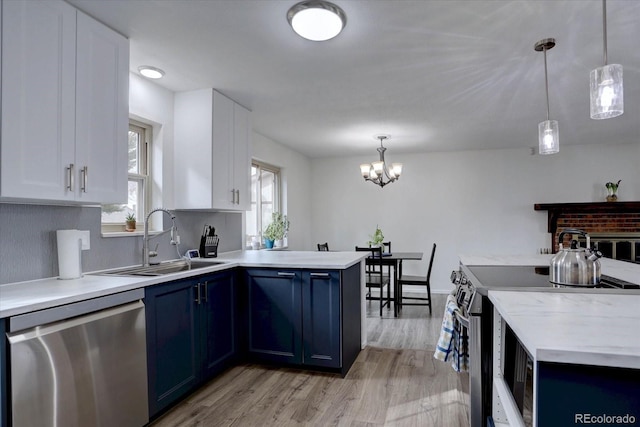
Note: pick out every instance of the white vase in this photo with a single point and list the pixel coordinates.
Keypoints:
(278, 243)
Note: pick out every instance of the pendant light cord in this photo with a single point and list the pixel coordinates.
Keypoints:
(604, 29)
(546, 80)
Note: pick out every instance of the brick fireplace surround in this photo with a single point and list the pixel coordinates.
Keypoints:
(607, 218)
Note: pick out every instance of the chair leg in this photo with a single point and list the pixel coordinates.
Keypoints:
(429, 296)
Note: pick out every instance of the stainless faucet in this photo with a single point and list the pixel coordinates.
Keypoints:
(175, 239)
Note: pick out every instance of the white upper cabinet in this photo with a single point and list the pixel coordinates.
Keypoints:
(64, 106)
(212, 158)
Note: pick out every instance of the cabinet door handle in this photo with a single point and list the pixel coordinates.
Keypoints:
(204, 294)
(84, 172)
(197, 293)
(319, 274)
(286, 274)
(238, 198)
(233, 196)
(70, 177)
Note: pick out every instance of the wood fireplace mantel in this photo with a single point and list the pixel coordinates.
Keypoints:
(557, 209)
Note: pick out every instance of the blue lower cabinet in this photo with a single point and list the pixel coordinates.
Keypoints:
(304, 317)
(191, 335)
(172, 342)
(274, 315)
(321, 318)
(220, 320)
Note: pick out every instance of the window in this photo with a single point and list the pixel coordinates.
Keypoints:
(113, 216)
(265, 198)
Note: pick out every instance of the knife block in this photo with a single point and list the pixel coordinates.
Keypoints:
(209, 246)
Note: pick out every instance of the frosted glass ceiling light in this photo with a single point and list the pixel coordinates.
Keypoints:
(316, 20)
(607, 95)
(548, 135)
(151, 72)
(377, 171)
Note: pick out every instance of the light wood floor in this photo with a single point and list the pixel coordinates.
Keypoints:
(395, 381)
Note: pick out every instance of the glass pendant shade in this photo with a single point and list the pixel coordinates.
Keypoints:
(364, 169)
(607, 95)
(397, 169)
(548, 137)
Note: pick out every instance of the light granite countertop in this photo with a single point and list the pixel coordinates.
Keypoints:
(23, 297)
(568, 327)
(618, 269)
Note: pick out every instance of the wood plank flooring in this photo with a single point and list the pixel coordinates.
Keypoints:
(395, 381)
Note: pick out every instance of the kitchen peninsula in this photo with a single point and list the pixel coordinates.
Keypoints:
(585, 351)
(288, 308)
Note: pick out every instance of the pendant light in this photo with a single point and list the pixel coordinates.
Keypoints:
(607, 95)
(548, 135)
(379, 172)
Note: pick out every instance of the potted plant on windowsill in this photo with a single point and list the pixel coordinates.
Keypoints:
(130, 222)
(276, 231)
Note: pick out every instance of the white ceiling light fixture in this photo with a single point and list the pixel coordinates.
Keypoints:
(548, 134)
(377, 171)
(150, 72)
(316, 20)
(606, 91)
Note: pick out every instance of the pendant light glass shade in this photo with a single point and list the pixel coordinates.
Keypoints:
(606, 89)
(548, 137)
(607, 95)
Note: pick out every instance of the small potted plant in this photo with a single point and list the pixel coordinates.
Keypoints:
(276, 231)
(130, 221)
(612, 189)
(377, 238)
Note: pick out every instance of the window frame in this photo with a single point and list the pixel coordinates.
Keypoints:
(277, 199)
(144, 177)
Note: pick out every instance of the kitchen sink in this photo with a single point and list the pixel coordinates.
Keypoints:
(162, 268)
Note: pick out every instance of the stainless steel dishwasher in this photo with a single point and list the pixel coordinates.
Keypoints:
(83, 364)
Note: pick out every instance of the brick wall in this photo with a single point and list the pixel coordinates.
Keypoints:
(597, 223)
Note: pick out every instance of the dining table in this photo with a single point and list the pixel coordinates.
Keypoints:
(394, 259)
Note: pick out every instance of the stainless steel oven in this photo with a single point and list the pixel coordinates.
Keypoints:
(475, 282)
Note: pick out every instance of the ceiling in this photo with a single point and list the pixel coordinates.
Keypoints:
(435, 75)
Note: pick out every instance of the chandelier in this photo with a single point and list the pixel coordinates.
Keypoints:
(378, 172)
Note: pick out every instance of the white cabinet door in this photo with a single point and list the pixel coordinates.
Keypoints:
(213, 163)
(242, 157)
(102, 110)
(38, 99)
(223, 196)
(64, 106)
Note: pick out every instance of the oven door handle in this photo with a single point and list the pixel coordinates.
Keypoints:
(463, 320)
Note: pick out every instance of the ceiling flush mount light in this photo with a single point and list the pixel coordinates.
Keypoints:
(378, 172)
(316, 20)
(151, 72)
(548, 138)
(607, 96)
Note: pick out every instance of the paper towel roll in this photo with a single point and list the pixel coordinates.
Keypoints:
(69, 254)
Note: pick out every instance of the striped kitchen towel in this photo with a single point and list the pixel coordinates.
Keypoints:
(453, 343)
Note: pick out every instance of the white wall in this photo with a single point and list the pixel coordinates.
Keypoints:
(296, 179)
(471, 202)
(152, 104)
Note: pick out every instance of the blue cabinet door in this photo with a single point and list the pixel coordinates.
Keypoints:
(321, 318)
(220, 323)
(274, 315)
(172, 342)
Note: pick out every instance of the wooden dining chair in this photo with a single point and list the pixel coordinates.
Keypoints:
(375, 277)
(406, 279)
(323, 247)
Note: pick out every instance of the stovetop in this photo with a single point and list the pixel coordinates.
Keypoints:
(502, 277)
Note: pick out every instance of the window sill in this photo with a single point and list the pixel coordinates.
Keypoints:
(140, 233)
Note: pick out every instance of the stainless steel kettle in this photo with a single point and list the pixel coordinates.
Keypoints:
(575, 266)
